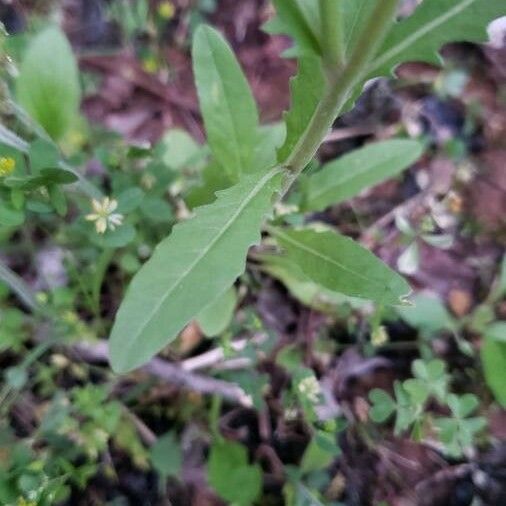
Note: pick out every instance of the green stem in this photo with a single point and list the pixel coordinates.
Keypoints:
(332, 33)
(11, 139)
(340, 85)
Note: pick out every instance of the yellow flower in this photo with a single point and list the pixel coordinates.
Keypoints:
(7, 166)
(104, 215)
(166, 10)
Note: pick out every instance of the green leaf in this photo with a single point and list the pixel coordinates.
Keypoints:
(320, 452)
(428, 314)
(198, 262)
(493, 359)
(166, 457)
(302, 288)
(462, 406)
(228, 107)
(231, 476)
(48, 83)
(300, 20)
(347, 176)
(10, 217)
(383, 405)
(433, 24)
(355, 13)
(341, 265)
(306, 88)
(177, 149)
(117, 238)
(216, 317)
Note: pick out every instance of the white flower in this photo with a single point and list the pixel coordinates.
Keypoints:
(104, 215)
(310, 389)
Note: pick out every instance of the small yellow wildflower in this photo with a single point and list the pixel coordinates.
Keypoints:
(104, 215)
(166, 10)
(7, 166)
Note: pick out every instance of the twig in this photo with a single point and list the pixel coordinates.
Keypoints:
(171, 373)
(215, 356)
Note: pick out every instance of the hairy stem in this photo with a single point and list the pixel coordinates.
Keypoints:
(339, 86)
(332, 33)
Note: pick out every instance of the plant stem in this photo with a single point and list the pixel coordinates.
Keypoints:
(340, 85)
(332, 33)
(11, 139)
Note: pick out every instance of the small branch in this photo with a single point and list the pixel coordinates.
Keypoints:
(171, 373)
(217, 355)
(340, 86)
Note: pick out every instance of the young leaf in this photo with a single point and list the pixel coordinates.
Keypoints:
(340, 264)
(228, 108)
(188, 270)
(347, 176)
(231, 475)
(433, 24)
(48, 83)
(307, 88)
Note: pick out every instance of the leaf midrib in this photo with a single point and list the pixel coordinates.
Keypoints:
(316, 253)
(406, 43)
(237, 145)
(258, 187)
(317, 194)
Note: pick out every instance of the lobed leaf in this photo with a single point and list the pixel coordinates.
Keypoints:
(347, 176)
(341, 265)
(300, 20)
(433, 24)
(228, 107)
(197, 263)
(307, 88)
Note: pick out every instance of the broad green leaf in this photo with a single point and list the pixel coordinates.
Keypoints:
(493, 359)
(347, 176)
(341, 265)
(177, 149)
(230, 474)
(48, 83)
(433, 24)
(10, 217)
(428, 314)
(302, 288)
(306, 88)
(270, 138)
(216, 317)
(166, 457)
(198, 262)
(228, 107)
(300, 20)
(214, 179)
